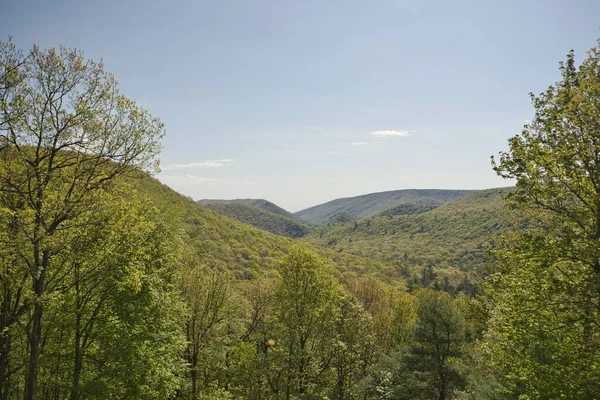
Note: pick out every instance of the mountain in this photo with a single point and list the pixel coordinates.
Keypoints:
(227, 244)
(259, 218)
(257, 203)
(449, 239)
(374, 203)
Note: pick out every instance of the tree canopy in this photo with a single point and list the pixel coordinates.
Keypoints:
(66, 135)
(545, 329)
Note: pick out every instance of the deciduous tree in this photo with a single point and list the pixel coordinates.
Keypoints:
(545, 331)
(66, 134)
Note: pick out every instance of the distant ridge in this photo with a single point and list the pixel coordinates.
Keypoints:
(258, 203)
(261, 214)
(367, 205)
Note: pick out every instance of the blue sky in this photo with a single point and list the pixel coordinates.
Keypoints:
(301, 102)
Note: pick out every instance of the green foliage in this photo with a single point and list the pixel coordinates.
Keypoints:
(435, 357)
(354, 349)
(544, 331)
(340, 218)
(208, 296)
(247, 252)
(260, 204)
(265, 220)
(305, 309)
(113, 322)
(437, 247)
(440, 338)
(66, 136)
(410, 208)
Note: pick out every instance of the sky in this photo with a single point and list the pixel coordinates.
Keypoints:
(302, 102)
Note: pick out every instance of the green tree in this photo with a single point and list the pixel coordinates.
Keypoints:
(439, 340)
(119, 282)
(378, 300)
(66, 134)
(207, 293)
(353, 349)
(305, 311)
(545, 328)
(253, 355)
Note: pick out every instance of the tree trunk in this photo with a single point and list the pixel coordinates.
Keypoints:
(77, 359)
(4, 345)
(77, 365)
(341, 381)
(35, 336)
(443, 385)
(302, 367)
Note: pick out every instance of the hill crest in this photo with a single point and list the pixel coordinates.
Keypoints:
(370, 204)
(258, 203)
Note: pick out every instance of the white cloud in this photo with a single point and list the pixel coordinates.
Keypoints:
(178, 180)
(202, 164)
(389, 133)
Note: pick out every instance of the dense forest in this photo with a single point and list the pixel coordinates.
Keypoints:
(261, 218)
(444, 246)
(114, 286)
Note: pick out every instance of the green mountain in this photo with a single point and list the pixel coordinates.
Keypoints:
(450, 238)
(259, 218)
(227, 244)
(374, 203)
(257, 203)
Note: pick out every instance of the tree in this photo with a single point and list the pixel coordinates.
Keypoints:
(425, 361)
(207, 293)
(353, 349)
(252, 354)
(133, 338)
(66, 135)
(545, 327)
(305, 311)
(378, 300)
(439, 340)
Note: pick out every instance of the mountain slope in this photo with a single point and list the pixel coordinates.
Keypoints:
(373, 203)
(451, 237)
(259, 218)
(257, 203)
(227, 244)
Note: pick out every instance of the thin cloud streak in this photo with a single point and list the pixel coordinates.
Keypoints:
(184, 180)
(389, 133)
(202, 164)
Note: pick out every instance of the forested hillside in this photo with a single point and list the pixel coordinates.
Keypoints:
(449, 239)
(373, 203)
(257, 203)
(227, 244)
(259, 218)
